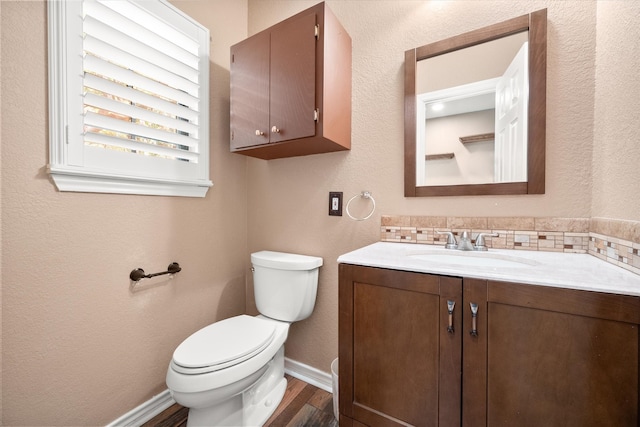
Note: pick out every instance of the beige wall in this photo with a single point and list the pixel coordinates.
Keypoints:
(616, 144)
(80, 349)
(473, 64)
(288, 198)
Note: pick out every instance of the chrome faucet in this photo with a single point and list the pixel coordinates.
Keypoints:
(465, 241)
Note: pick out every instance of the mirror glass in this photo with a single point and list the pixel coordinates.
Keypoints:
(460, 138)
(474, 111)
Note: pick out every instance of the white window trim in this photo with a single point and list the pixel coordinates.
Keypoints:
(78, 178)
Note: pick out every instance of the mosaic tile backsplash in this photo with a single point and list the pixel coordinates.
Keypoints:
(614, 241)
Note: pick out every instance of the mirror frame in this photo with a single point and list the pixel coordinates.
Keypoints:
(536, 24)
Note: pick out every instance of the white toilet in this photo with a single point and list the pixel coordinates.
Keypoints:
(231, 373)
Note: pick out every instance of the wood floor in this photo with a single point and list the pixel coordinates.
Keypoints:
(303, 405)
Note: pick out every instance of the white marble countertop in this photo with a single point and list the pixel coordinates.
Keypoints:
(564, 270)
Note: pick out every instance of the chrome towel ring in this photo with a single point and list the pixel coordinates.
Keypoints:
(364, 195)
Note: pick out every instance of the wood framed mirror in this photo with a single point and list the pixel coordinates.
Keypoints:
(528, 179)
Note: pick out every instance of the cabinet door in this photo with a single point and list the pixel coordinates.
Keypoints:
(399, 364)
(559, 357)
(250, 92)
(293, 79)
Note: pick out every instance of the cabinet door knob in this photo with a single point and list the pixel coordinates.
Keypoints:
(259, 132)
(275, 129)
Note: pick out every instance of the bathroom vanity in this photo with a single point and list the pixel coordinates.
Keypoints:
(429, 336)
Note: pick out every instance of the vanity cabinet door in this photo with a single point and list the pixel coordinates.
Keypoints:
(399, 363)
(552, 357)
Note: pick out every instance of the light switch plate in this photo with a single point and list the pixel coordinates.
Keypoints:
(335, 203)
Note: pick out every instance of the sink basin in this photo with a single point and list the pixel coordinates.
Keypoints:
(472, 259)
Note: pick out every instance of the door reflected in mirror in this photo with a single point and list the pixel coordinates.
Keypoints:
(475, 111)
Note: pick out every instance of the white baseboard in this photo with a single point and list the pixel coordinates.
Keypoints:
(308, 374)
(143, 413)
(155, 405)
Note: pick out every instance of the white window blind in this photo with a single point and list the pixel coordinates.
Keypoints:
(129, 98)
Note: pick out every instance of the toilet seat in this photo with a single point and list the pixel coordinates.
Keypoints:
(223, 344)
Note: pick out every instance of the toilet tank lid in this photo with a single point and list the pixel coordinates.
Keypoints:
(285, 261)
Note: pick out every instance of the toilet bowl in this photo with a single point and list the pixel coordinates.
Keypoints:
(246, 383)
(232, 371)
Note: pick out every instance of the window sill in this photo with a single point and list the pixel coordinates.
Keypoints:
(69, 180)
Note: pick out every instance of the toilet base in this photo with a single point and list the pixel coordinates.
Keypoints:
(252, 407)
(258, 415)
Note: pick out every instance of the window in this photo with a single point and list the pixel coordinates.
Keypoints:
(128, 98)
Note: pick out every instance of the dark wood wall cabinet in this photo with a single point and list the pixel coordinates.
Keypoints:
(412, 352)
(291, 88)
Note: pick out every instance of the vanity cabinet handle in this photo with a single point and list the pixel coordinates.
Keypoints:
(474, 319)
(259, 132)
(450, 306)
(275, 129)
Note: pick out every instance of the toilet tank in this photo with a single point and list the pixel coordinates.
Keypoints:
(285, 285)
